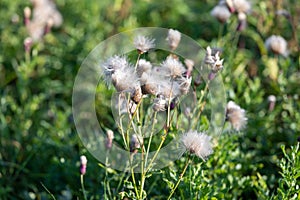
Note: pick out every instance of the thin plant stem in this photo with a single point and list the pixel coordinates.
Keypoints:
(82, 187)
(52, 196)
(150, 139)
(200, 107)
(158, 149)
(137, 61)
(134, 182)
(144, 172)
(121, 125)
(121, 180)
(106, 182)
(166, 130)
(180, 178)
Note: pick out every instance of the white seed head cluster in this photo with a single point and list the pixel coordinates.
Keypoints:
(236, 116)
(143, 44)
(197, 143)
(45, 15)
(173, 38)
(277, 45)
(166, 81)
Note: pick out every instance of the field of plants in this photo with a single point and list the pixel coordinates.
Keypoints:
(224, 90)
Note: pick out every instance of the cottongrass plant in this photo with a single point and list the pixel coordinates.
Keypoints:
(163, 85)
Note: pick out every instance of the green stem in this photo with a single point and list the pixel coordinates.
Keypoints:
(199, 107)
(106, 182)
(158, 149)
(137, 61)
(121, 125)
(180, 178)
(134, 183)
(150, 139)
(144, 172)
(82, 186)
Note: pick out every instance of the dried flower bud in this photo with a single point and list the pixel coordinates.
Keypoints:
(135, 142)
(190, 65)
(230, 5)
(136, 95)
(277, 45)
(109, 139)
(272, 101)
(173, 38)
(83, 163)
(27, 44)
(48, 26)
(242, 21)
(27, 14)
(143, 67)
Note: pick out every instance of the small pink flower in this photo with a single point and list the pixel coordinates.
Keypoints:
(83, 163)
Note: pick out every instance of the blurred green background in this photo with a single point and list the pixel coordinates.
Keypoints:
(39, 146)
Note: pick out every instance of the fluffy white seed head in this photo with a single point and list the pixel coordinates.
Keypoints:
(149, 83)
(221, 13)
(112, 65)
(173, 67)
(143, 44)
(271, 98)
(277, 45)
(168, 89)
(125, 80)
(173, 38)
(144, 66)
(236, 116)
(242, 6)
(197, 143)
